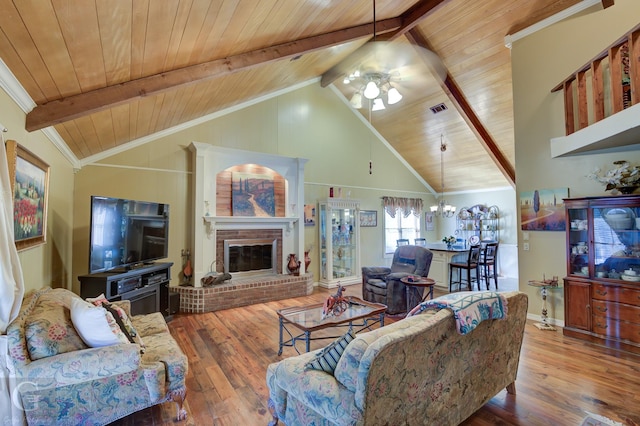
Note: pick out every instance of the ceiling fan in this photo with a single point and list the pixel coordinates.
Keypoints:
(383, 72)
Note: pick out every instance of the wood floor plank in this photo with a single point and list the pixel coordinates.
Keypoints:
(559, 378)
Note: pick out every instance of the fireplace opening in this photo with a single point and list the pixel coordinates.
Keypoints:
(250, 256)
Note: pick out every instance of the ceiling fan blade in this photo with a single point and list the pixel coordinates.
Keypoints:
(393, 58)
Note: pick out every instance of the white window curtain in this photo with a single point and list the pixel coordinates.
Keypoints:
(406, 206)
(11, 292)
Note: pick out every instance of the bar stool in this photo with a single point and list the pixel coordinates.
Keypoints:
(421, 242)
(402, 242)
(488, 265)
(472, 264)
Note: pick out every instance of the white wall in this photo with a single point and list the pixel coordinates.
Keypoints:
(48, 264)
(540, 62)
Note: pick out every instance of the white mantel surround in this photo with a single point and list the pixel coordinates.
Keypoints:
(208, 161)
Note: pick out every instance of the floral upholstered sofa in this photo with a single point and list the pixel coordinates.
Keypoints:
(61, 380)
(430, 368)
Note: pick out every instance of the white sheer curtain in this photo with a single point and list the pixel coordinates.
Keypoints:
(11, 292)
(406, 206)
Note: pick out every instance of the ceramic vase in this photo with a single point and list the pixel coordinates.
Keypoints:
(307, 261)
(292, 264)
(187, 271)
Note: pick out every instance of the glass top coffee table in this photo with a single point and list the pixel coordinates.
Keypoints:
(309, 319)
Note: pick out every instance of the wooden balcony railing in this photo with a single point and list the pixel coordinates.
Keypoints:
(614, 76)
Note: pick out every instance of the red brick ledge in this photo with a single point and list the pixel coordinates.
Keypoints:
(242, 292)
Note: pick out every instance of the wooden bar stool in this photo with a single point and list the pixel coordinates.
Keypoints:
(472, 264)
(488, 264)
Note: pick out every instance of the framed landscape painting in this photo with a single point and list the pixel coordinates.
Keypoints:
(543, 209)
(252, 195)
(29, 176)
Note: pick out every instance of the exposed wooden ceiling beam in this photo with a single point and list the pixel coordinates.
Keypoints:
(409, 19)
(456, 96)
(83, 104)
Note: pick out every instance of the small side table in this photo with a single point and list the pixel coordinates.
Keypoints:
(544, 291)
(412, 287)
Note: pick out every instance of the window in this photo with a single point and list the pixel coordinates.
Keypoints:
(399, 227)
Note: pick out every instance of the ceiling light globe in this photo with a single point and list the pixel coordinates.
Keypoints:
(393, 96)
(377, 105)
(356, 100)
(371, 91)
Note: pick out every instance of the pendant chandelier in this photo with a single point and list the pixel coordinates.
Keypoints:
(442, 208)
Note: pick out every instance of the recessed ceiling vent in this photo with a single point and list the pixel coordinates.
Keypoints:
(438, 108)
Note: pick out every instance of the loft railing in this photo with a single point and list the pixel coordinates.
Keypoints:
(607, 84)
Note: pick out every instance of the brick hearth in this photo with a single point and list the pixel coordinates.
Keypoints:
(243, 291)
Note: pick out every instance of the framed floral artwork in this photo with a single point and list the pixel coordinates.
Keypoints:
(368, 218)
(29, 176)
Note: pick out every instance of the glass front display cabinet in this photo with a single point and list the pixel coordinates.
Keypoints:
(602, 286)
(339, 227)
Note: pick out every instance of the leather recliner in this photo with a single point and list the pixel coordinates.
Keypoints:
(381, 284)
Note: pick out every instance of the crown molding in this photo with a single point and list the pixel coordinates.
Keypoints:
(14, 89)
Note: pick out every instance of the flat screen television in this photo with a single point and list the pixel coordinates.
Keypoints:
(125, 233)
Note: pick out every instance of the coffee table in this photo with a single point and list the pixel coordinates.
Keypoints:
(309, 319)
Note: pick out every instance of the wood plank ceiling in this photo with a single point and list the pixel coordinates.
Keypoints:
(105, 73)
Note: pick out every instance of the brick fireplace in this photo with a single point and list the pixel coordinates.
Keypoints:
(214, 223)
(250, 235)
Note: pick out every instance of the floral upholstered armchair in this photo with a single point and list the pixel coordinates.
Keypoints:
(61, 380)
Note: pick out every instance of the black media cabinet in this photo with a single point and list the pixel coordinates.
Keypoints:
(146, 287)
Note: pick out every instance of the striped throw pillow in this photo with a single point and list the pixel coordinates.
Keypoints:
(327, 359)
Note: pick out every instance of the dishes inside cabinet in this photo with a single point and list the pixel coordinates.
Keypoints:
(619, 218)
(474, 240)
(634, 278)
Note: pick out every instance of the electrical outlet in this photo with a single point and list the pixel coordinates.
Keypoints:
(525, 246)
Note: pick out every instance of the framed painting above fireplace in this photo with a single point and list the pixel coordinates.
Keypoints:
(252, 195)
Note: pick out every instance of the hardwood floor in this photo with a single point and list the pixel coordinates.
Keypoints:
(560, 379)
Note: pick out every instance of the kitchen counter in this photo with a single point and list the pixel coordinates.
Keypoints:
(439, 270)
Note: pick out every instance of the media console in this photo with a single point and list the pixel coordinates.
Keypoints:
(146, 287)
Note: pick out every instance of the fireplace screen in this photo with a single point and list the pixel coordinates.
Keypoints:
(250, 256)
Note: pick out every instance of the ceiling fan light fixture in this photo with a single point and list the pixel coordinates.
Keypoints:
(371, 91)
(356, 100)
(393, 96)
(377, 105)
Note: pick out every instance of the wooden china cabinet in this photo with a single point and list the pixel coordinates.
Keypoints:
(602, 286)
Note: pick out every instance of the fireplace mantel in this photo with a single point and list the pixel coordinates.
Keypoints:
(208, 161)
(248, 222)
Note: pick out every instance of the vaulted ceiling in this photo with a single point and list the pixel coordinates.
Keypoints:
(106, 73)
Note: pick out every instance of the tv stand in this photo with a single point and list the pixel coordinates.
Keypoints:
(146, 287)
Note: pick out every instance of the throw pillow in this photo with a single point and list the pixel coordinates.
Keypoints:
(119, 314)
(327, 359)
(125, 324)
(95, 325)
(48, 329)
